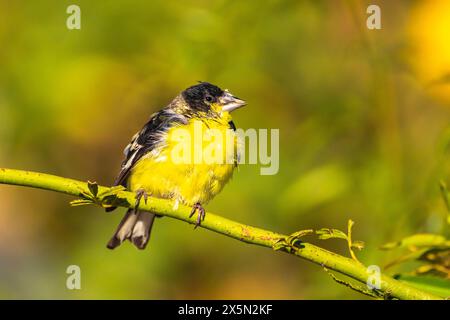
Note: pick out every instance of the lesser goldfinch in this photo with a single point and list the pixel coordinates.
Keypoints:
(149, 169)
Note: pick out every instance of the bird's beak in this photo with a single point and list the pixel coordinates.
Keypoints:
(230, 102)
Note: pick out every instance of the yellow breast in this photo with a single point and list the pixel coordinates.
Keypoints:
(193, 163)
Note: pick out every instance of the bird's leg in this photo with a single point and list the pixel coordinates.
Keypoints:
(139, 194)
(201, 213)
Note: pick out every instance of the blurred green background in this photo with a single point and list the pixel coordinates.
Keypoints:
(364, 134)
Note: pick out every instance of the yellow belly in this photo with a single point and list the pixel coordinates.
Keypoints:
(160, 175)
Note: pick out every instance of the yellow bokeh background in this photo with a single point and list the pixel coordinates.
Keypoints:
(429, 31)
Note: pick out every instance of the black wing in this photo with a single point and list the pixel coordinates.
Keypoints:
(145, 140)
(151, 135)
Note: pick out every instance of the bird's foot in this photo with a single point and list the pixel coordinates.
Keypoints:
(201, 213)
(139, 194)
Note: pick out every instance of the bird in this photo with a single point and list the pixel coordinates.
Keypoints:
(149, 167)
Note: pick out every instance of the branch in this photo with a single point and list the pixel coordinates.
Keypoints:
(389, 287)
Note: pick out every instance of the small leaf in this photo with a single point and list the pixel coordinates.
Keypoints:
(112, 191)
(358, 288)
(326, 233)
(114, 200)
(359, 245)
(279, 244)
(301, 233)
(295, 237)
(85, 195)
(80, 202)
(93, 188)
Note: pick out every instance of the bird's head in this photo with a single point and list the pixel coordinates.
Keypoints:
(206, 97)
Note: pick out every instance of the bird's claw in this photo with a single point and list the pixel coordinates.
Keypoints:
(201, 213)
(139, 194)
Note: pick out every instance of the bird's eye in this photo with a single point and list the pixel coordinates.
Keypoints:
(209, 98)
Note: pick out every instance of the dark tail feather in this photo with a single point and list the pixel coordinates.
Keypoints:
(135, 227)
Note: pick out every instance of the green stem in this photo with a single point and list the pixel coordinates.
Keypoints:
(389, 287)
